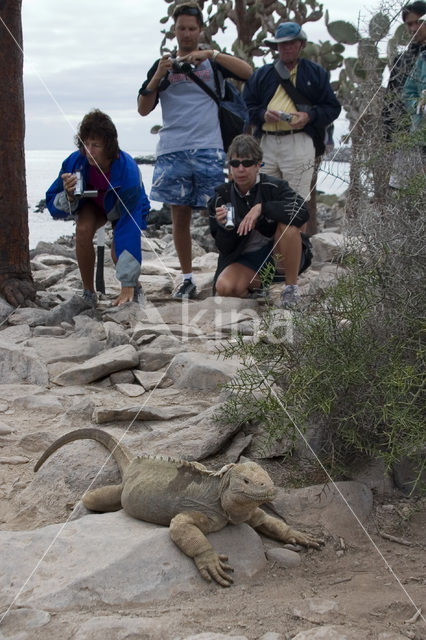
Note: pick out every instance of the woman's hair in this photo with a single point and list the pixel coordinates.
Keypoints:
(244, 146)
(97, 124)
(189, 9)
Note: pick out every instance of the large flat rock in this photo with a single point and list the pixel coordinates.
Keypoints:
(73, 349)
(109, 361)
(111, 559)
(194, 439)
(339, 509)
(200, 371)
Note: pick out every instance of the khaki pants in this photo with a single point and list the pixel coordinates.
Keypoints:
(291, 158)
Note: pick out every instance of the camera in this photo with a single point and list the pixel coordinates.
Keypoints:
(287, 117)
(181, 66)
(229, 223)
(79, 188)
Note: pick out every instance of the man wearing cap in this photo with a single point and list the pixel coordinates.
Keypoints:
(297, 87)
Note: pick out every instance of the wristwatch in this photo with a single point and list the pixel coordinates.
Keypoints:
(145, 92)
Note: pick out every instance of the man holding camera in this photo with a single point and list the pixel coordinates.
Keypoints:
(99, 182)
(298, 87)
(190, 154)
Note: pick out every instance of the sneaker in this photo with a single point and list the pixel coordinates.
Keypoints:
(290, 297)
(186, 290)
(90, 298)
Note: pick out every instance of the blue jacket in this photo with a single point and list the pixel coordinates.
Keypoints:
(412, 91)
(311, 80)
(126, 205)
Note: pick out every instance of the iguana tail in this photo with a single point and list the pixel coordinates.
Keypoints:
(120, 453)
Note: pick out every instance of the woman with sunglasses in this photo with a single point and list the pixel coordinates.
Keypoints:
(267, 216)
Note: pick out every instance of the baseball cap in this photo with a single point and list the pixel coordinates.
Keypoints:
(285, 32)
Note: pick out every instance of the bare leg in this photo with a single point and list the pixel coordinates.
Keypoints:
(289, 247)
(181, 218)
(88, 222)
(104, 499)
(236, 280)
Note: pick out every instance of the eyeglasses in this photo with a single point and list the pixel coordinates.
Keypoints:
(246, 163)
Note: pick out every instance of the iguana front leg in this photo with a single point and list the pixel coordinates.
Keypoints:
(187, 532)
(279, 530)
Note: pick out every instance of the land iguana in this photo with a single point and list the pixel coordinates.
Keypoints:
(189, 498)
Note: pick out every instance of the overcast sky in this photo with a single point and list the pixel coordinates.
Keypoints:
(96, 53)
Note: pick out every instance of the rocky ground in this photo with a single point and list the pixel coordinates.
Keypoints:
(150, 373)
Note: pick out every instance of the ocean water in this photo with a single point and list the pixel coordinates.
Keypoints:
(42, 167)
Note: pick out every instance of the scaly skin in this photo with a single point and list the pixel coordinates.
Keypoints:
(189, 498)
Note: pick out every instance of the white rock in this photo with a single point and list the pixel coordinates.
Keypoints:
(130, 390)
(330, 632)
(283, 557)
(15, 334)
(72, 349)
(319, 606)
(114, 627)
(121, 357)
(326, 245)
(112, 559)
(19, 364)
(49, 404)
(14, 460)
(325, 507)
(149, 379)
(199, 371)
(5, 429)
(140, 412)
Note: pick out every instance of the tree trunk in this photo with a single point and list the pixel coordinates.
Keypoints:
(16, 283)
(312, 224)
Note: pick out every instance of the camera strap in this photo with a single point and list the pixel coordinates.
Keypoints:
(204, 86)
(293, 93)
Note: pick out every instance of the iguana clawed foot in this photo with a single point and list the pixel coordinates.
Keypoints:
(211, 565)
(297, 537)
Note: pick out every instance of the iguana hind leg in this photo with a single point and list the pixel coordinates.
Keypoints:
(187, 532)
(104, 499)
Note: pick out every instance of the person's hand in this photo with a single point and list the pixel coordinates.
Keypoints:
(221, 214)
(272, 116)
(249, 221)
(69, 180)
(300, 120)
(126, 295)
(197, 57)
(164, 66)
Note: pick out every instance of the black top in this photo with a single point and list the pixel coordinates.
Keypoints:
(279, 204)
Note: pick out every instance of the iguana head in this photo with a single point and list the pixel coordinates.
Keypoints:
(245, 486)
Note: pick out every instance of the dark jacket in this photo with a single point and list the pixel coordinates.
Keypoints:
(311, 80)
(393, 109)
(279, 204)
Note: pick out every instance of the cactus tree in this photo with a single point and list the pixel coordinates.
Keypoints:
(359, 89)
(253, 20)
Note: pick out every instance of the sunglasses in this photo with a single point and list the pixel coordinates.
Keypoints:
(187, 11)
(246, 163)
